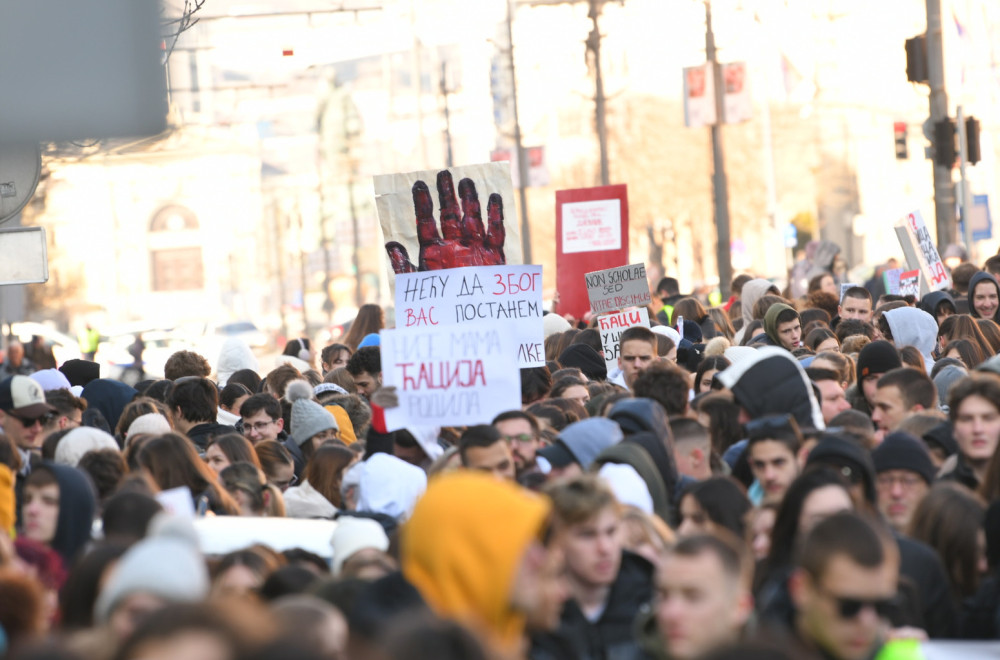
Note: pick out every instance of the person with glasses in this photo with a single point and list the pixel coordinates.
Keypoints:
(261, 420)
(22, 411)
(483, 448)
(843, 587)
(68, 412)
(520, 429)
(903, 475)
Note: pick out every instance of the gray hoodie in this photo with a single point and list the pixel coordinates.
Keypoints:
(914, 327)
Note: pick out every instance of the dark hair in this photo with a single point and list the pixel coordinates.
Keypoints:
(970, 353)
(249, 478)
(138, 407)
(259, 402)
(564, 384)
(64, 401)
(785, 534)
(667, 385)
(172, 461)
(911, 357)
(765, 303)
(83, 584)
(685, 428)
(536, 382)
(752, 329)
(723, 425)
(778, 428)
(481, 435)
(106, 467)
(859, 292)
(329, 353)
(287, 581)
(962, 274)
(422, 636)
(690, 309)
(517, 414)
(712, 362)
(814, 315)
(231, 392)
(366, 360)
(198, 399)
(818, 336)
(278, 379)
(271, 455)
(640, 333)
(915, 387)
(848, 534)
(325, 471)
(370, 319)
(126, 516)
(159, 390)
(589, 337)
(173, 620)
(814, 281)
(186, 363)
(948, 519)
(991, 333)
(848, 327)
(723, 501)
(235, 447)
(816, 374)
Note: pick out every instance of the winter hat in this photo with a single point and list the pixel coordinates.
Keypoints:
(109, 397)
(627, 485)
(944, 380)
(308, 417)
(427, 438)
(80, 372)
(586, 359)
(344, 423)
(180, 575)
(667, 332)
(847, 457)
(150, 423)
(385, 484)
(22, 396)
(353, 535)
(234, 356)
(582, 441)
(692, 332)
(942, 437)
(553, 324)
(771, 381)
(81, 440)
(902, 451)
(323, 388)
(77, 505)
(736, 354)
(51, 379)
(371, 339)
(877, 358)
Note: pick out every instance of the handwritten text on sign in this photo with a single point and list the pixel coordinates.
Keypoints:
(592, 226)
(928, 260)
(612, 326)
(618, 288)
(509, 297)
(452, 376)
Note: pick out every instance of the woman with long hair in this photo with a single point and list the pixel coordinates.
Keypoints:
(692, 310)
(991, 331)
(171, 461)
(713, 504)
(319, 494)
(965, 350)
(224, 450)
(706, 371)
(370, 320)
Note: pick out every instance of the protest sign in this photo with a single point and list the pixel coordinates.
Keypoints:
(405, 204)
(510, 297)
(611, 327)
(177, 501)
(891, 280)
(618, 288)
(909, 283)
(591, 235)
(220, 535)
(450, 376)
(921, 254)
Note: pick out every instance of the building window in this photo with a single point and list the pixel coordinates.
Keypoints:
(178, 269)
(173, 218)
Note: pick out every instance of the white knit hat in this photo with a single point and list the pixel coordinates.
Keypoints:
(81, 440)
(151, 423)
(554, 324)
(353, 535)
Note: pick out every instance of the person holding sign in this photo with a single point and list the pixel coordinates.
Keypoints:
(638, 350)
(984, 297)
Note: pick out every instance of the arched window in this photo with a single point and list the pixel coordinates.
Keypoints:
(175, 267)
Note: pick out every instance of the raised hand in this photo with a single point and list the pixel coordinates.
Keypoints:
(465, 241)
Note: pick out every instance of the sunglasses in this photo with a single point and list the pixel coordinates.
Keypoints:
(28, 422)
(849, 608)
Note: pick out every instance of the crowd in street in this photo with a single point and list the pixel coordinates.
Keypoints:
(800, 473)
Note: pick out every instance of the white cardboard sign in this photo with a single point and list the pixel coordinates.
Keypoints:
(611, 327)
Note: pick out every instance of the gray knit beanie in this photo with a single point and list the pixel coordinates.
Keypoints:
(308, 417)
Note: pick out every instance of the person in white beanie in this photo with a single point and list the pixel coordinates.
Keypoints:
(166, 567)
(311, 425)
(627, 485)
(554, 324)
(51, 379)
(353, 536)
(383, 484)
(148, 424)
(81, 440)
(234, 355)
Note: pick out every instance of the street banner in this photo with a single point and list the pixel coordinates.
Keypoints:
(611, 327)
(414, 242)
(617, 288)
(921, 254)
(507, 297)
(736, 102)
(699, 96)
(457, 375)
(591, 235)
(909, 283)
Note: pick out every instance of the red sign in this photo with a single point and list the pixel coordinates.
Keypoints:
(591, 235)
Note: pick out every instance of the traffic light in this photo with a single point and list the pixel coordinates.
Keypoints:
(944, 142)
(972, 152)
(916, 59)
(899, 133)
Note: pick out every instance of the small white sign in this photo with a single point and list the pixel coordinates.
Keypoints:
(592, 226)
(611, 327)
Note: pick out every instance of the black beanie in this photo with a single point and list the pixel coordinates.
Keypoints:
(902, 451)
(877, 358)
(586, 359)
(942, 437)
(853, 461)
(80, 372)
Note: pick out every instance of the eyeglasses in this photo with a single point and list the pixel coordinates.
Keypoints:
(28, 422)
(521, 437)
(257, 426)
(849, 608)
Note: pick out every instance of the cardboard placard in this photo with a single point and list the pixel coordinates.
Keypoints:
(591, 235)
(921, 254)
(508, 297)
(465, 197)
(891, 280)
(617, 288)
(452, 376)
(909, 283)
(611, 327)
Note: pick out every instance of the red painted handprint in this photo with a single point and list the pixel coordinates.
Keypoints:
(463, 241)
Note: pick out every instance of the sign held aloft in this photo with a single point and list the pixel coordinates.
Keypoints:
(921, 254)
(617, 288)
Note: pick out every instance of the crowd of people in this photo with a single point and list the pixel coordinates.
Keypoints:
(778, 476)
